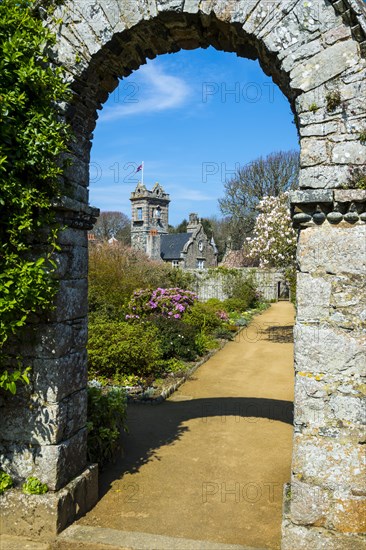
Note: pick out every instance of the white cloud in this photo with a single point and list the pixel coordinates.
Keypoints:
(152, 92)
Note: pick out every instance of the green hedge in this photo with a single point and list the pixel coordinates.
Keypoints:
(123, 348)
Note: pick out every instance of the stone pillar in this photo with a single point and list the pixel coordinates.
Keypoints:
(43, 427)
(325, 503)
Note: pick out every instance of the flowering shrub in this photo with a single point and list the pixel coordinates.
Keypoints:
(168, 302)
(274, 241)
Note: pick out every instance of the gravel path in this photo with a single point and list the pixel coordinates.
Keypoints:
(210, 462)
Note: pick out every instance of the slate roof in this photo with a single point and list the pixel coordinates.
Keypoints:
(172, 245)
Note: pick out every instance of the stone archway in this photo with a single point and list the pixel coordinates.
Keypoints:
(315, 52)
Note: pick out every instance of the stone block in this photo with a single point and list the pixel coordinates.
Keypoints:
(313, 152)
(309, 504)
(42, 517)
(313, 297)
(54, 379)
(319, 70)
(336, 34)
(303, 52)
(302, 537)
(349, 410)
(320, 129)
(312, 196)
(72, 262)
(350, 195)
(321, 350)
(349, 515)
(73, 237)
(49, 341)
(329, 463)
(349, 152)
(37, 422)
(52, 464)
(310, 404)
(71, 300)
(335, 250)
(323, 177)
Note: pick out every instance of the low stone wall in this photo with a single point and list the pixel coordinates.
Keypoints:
(271, 283)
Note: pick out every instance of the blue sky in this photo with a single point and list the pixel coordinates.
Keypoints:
(192, 117)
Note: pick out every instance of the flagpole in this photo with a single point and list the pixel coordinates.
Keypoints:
(142, 170)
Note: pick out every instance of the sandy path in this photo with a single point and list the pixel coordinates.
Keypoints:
(210, 463)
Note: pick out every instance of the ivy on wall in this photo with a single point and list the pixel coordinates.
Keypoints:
(32, 137)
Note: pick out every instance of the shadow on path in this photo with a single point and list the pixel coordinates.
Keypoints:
(152, 427)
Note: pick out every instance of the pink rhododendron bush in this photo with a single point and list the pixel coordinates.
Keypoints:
(168, 302)
(274, 240)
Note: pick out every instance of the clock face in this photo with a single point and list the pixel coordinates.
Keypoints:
(200, 246)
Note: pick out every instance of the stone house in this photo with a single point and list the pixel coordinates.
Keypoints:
(149, 232)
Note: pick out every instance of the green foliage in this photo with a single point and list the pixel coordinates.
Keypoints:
(6, 482)
(106, 419)
(122, 348)
(291, 278)
(362, 136)
(242, 292)
(170, 366)
(356, 178)
(235, 304)
(333, 100)
(8, 380)
(34, 486)
(202, 316)
(115, 272)
(32, 137)
(204, 343)
(176, 338)
(313, 107)
(223, 333)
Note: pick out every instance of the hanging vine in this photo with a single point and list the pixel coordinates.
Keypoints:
(32, 137)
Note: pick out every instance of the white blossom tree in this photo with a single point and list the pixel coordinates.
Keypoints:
(274, 239)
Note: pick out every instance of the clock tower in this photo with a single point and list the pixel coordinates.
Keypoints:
(149, 220)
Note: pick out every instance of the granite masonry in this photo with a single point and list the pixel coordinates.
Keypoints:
(315, 52)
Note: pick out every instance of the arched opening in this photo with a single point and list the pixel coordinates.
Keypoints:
(147, 464)
(311, 52)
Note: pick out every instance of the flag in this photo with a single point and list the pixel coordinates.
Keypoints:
(139, 168)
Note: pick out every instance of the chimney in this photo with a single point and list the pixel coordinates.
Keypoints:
(193, 223)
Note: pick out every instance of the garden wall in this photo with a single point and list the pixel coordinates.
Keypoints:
(271, 283)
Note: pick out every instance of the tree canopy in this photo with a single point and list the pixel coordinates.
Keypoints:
(265, 176)
(113, 224)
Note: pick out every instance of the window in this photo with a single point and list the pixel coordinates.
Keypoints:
(139, 214)
(175, 263)
(200, 264)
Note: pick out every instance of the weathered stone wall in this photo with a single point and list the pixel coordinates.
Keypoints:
(325, 504)
(314, 51)
(213, 285)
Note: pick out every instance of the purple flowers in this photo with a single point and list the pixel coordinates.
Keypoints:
(221, 314)
(168, 302)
